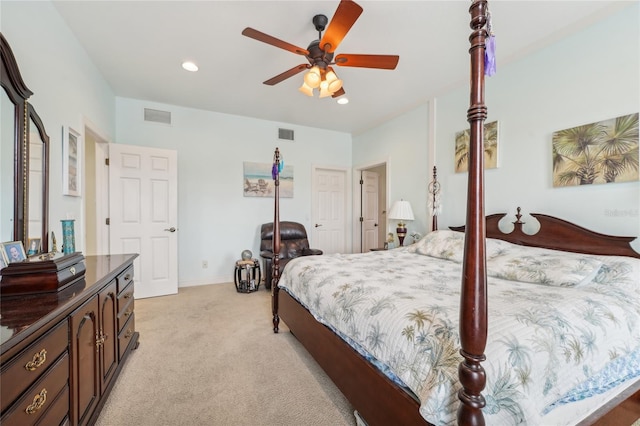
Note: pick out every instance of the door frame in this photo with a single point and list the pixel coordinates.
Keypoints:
(99, 167)
(347, 196)
(357, 200)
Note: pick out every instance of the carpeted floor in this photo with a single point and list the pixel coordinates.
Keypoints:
(208, 356)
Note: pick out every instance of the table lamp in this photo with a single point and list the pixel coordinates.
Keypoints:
(401, 211)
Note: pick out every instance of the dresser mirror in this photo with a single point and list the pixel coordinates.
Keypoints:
(24, 159)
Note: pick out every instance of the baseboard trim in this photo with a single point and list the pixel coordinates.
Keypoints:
(207, 281)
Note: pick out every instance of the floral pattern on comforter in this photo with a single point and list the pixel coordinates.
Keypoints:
(402, 308)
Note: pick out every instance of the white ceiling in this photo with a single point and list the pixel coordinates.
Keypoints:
(139, 46)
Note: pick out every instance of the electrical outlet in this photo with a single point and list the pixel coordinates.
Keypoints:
(205, 264)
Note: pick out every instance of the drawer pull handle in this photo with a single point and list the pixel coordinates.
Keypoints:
(38, 359)
(72, 270)
(127, 313)
(128, 334)
(38, 402)
(127, 296)
(127, 277)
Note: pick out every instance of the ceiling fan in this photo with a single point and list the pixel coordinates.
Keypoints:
(320, 53)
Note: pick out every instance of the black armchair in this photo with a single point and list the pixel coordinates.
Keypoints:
(293, 243)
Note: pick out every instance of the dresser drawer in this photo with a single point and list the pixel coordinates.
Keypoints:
(58, 413)
(124, 337)
(125, 296)
(124, 278)
(28, 366)
(37, 400)
(124, 313)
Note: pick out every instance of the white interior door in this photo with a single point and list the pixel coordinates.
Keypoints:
(329, 209)
(369, 210)
(143, 209)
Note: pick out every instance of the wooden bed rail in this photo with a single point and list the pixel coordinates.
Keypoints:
(473, 299)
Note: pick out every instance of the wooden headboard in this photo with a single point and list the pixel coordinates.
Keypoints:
(558, 234)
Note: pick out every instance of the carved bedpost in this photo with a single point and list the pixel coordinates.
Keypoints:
(434, 202)
(275, 270)
(473, 307)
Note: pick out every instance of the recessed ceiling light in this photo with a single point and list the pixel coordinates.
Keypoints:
(343, 101)
(190, 66)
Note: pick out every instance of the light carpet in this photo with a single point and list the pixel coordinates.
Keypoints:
(208, 356)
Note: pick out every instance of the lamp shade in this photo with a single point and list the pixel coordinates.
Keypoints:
(401, 210)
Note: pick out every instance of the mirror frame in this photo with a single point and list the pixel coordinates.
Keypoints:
(35, 118)
(18, 92)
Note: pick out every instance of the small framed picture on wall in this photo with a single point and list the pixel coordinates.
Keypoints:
(71, 161)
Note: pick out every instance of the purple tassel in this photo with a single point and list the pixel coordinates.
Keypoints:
(490, 56)
(274, 171)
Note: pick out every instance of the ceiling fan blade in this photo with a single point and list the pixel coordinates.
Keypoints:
(285, 75)
(386, 62)
(346, 15)
(338, 93)
(266, 38)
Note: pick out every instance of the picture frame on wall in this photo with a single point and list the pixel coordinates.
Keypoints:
(602, 152)
(490, 143)
(258, 181)
(12, 251)
(71, 161)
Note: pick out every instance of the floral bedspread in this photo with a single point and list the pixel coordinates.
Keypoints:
(559, 330)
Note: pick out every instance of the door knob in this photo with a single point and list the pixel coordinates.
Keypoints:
(172, 229)
(317, 225)
(375, 224)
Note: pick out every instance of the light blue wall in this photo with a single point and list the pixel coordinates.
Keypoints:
(402, 142)
(587, 77)
(216, 222)
(67, 87)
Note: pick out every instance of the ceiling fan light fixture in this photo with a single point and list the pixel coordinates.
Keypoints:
(306, 89)
(324, 89)
(313, 78)
(330, 76)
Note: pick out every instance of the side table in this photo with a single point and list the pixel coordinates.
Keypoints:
(247, 275)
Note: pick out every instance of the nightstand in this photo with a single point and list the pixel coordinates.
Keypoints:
(247, 275)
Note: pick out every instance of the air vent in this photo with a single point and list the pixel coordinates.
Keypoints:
(285, 134)
(157, 116)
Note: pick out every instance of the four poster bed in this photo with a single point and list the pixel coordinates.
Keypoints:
(407, 345)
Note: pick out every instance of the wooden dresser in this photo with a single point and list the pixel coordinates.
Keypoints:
(60, 353)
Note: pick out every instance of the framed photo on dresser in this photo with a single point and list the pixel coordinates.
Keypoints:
(13, 251)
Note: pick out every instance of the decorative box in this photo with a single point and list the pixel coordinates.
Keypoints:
(42, 274)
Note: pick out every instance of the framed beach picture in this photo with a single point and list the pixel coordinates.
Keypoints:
(71, 160)
(259, 183)
(601, 152)
(463, 139)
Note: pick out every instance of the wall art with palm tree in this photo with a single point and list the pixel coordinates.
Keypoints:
(601, 152)
(490, 148)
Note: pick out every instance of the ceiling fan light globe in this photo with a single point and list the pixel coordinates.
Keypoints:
(335, 85)
(306, 89)
(324, 89)
(330, 76)
(313, 78)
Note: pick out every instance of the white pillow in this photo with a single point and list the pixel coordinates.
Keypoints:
(444, 244)
(539, 265)
(514, 262)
